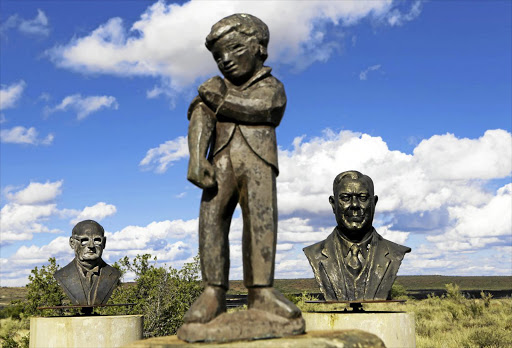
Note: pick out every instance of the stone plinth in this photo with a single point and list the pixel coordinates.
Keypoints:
(317, 339)
(396, 329)
(86, 331)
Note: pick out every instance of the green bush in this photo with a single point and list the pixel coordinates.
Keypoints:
(398, 292)
(14, 310)
(453, 292)
(491, 337)
(43, 290)
(162, 295)
(486, 297)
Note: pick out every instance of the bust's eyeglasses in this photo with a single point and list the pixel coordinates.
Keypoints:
(85, 240)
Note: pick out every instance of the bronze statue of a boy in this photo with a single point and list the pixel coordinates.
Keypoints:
(233, 157)
(355, 262)
(88, 280)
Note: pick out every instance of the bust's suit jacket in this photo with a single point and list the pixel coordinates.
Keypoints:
(259, 106)
(70, 281)
(387, 257)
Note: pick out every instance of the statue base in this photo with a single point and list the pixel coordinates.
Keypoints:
(243, 325)
(85, 331)
(396, 329)
(317, 339)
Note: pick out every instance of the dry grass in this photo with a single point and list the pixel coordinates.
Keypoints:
(451, 321)
(14, 332)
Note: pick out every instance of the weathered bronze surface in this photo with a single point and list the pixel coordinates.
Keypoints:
(233, 158)
(355, 262)
(317, 339)
(88, 280)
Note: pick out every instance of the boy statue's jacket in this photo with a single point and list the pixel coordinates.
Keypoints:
(256, 107)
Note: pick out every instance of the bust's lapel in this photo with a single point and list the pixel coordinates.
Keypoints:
(379, 266)
(106, 283)
(72, 285)
(331, 266)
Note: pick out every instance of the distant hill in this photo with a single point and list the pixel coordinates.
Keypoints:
(422, 282)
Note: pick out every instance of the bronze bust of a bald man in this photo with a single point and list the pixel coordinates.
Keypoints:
(88, 280)
(355, 262)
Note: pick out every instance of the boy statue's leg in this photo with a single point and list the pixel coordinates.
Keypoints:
(258, 200)
(200, 131)
(217, 206)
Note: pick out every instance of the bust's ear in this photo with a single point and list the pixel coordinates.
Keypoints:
(375, 199)
(72, 243)
(104, 242)
(333, 205)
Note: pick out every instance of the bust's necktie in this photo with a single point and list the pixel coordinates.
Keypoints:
(353, 260)
(94, 271)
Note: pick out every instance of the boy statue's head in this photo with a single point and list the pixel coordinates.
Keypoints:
(238, 44)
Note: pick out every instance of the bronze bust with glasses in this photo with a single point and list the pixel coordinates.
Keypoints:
(88, 280)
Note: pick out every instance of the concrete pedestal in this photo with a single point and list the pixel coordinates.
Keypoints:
(396, 329)
(90, 331)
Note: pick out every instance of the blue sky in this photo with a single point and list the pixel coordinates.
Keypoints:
(415, 94)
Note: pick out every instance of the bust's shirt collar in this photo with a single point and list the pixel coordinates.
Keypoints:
(84, 271)
(346, 244)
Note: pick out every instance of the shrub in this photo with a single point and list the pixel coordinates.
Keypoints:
(491, 337)
(14, 310)
(162, 295)
(43, 290)
(398, 292)
(12, 333)
(453, 292)
(486, 297)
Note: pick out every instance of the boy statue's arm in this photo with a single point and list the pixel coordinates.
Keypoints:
(263, 105)
(200, 132)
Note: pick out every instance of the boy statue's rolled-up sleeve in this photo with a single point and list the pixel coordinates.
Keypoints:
(262, 103)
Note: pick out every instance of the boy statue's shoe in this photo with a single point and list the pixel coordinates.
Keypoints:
(272, 301)
(209, 305)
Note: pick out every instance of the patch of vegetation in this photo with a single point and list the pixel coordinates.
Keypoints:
(423, 282)
(14, 333)
(162, 295)
(465, 283)
(43, 291)
(451, 320)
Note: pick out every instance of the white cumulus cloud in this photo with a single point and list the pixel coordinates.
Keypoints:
(477, 226)
(397, 17)
(163, 156)
(22, 135)
(35, 193)
(29, 209)
(97, 212)
(84, 106)
(9, 95)
(39, 25)
(168, 39)
(426, 180)
(136, 238)
(20, 221)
